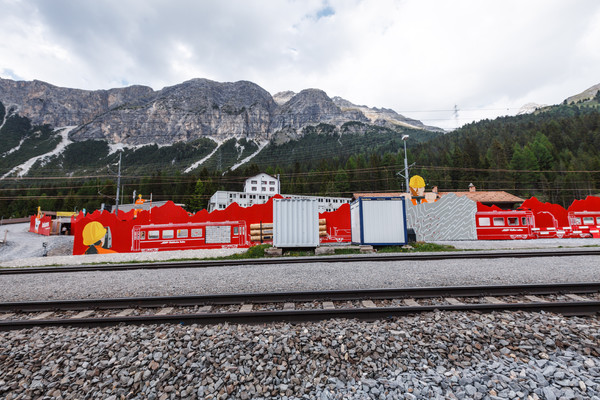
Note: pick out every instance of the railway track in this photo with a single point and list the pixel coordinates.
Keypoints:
(567, 299)
(402, 257)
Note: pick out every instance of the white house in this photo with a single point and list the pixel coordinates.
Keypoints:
(260, 188)
(262, 184)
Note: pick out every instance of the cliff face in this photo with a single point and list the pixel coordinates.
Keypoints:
(194, 109)
(311, 107)
(43, 103)
(191, 110)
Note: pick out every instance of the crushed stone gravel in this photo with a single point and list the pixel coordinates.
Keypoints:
(431, 356)
(440, 355)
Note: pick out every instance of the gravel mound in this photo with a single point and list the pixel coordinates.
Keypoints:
(430, 356)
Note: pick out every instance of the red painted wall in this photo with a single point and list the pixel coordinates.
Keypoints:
(547, 215)
(338, 222)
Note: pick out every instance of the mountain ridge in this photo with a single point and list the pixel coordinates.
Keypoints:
(197, 108)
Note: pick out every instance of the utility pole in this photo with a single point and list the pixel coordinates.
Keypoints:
(118, 187)
(404, 138)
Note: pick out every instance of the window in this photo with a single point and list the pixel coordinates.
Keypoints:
(261, 197)
(484, 221)
(576, 221)
(271, 189)
(153, 234)
(263, 182)
(524, 221)
(498, 221)
(182, 233)
(598, 220)
(236, 230)
(254, 188)
(588, 220)
(263, 189)
(513, 221)
(197, 232)
(271, 182)
(221, 206)
(168, 234)
(143, 235)
(253, 182)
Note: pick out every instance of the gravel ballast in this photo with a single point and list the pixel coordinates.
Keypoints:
(297, 277)
(439, 355)
(430, 356)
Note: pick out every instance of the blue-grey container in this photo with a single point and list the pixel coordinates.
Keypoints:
(379, 221)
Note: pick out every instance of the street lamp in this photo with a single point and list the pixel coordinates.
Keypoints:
(404, 139)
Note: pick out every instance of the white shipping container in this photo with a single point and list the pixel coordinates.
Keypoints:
(379, 221)
(295, 223)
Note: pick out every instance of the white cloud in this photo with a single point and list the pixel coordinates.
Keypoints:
(414, 56)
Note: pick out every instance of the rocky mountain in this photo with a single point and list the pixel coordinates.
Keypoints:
(530, 108)
(195, 109)
(383, 116)
(587, 94)
(44, 103)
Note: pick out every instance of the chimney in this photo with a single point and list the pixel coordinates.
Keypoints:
(472, 187)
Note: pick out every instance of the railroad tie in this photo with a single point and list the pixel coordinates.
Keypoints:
(411, 303)
(289, 306)
(368, 304)
(205, 309)
(535, 299)
(246, 307)
(328, 305)
(454, 301)
(125, 312)
(576, 297)
(83, 314)
(493, 300)
(43, 315)
(165, 311)
(6, 316)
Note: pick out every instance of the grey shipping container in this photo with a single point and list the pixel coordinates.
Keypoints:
(295, 223)
(379, 221)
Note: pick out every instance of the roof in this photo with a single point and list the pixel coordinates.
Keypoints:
(260, 175)
(495, 197)
(357, 195)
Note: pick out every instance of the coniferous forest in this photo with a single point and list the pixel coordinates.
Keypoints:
(553, 154)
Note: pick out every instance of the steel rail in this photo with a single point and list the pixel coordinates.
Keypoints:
(586, 307)
(401, 257)
(255, 317)
(302, 296)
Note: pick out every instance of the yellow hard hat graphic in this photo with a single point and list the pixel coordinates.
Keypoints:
(416, 182)
(93, 232)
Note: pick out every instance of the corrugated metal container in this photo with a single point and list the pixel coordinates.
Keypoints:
(295, 223)
(379, 221)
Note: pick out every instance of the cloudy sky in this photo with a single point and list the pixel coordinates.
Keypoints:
(422, 58)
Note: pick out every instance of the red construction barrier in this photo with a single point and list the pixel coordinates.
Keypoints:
(40, 224)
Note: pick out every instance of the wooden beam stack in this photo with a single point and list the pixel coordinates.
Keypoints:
(264, 231)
